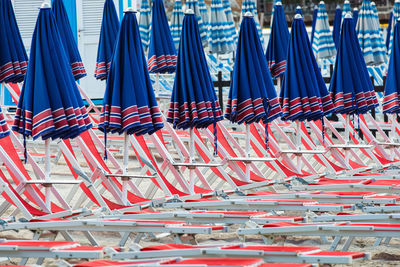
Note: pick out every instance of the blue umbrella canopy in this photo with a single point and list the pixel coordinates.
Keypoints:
(145, 23)
(108, 35)
(337, 21)
(50, 105)
(304, 95)
(220, 36)
(322, 44)
(250, 6)
(299, 10)
(369, 35)
(129, 102)
(194, 5)
(394, 16)
(351, 88)
(4, 131)
(389, 30)
(176, 22)
(391, 99)
(162, 52)
(314, 20)
(194, 103)
(68, 39)
(278, 42)
(13, 58)
(252, 95)
(229, 17)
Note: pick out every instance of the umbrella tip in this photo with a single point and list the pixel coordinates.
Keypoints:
(347, 2)
(248, 14)
(45, 4)
(348, 16)
(373, 3)
(129, 10)
(189, 12)
(322, 3)
(338, 7)
(298, 16)
(280, 3)
(355, 9)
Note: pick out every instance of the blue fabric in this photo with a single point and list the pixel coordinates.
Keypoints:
(176, 22)
(394, 16)
(229, 17)
(145, 23)
(337, 21)
(108, 35)
(278, 42)
(194, 103)
(220, 35)
(351, 88)
(68, 40)
(194, 5)
(346, 9)
(391, 101)
(252, 95)
(204, 13)
(50, 105)
(355, 16)
(129, 102)
(314, 20)
(322, 44)
(13, 58)
(162, 52)
(389, 30)
(250, 6)
(369, 35)
(304, 95)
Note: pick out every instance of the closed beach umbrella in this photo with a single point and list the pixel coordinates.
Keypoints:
(322, 44)
(314, 20)
(252, 96)
(304, 95)
(229, 17)
(68, 39)
(194, 103)
(278, 42)
(129, 102)
(145, 23)
(162, 52)
(108, 35)
(395, 15)
(194, 5)
(13, 58)
(369, 35)
(351, 88)
(337, 21)
(176, 22)
(250, 6)
(391, 100)
(204, 13)
(50, 105)
(220, 36)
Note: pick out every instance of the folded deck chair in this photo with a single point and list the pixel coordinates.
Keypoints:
(126, 227)
(104, 263)
(350, 230)
(283, 254)
(50, 249)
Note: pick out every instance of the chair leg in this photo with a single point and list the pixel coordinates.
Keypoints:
(348, 243)
(335, 243)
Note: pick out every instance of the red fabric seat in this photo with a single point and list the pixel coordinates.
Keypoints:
(353, 255)
(216, 262)
(279, 248)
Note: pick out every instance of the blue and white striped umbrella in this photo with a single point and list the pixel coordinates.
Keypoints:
(220, 38)
(194, 5)
(346, 9)
(176, 22)
(395, 16)
(145, 23)
(229, 17)
(204, 13)
(323, 45)
(250, 6)
(369, 35)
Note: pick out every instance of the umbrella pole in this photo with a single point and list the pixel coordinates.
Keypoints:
(278, 83)
(393, 127)
(298, 144)
(125, 169)
(347, 137)
(192, 177)
(158, 85)
(2, 85)
(247, 152)
(47, 173)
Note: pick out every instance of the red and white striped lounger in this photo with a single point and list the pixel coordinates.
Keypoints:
(284, 254)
